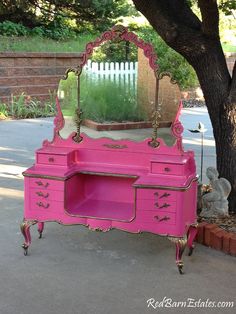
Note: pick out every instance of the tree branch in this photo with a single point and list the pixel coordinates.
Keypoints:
(210, 17)
(176, 24)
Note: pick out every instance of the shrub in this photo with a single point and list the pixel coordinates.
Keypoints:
(24, 106)
(106, 101)
(169, 60)
(100, 100)
(8, 28)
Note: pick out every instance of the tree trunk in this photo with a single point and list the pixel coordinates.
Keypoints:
(199, 42)
(225, 138)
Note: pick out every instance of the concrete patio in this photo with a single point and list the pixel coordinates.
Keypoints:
(73, 270)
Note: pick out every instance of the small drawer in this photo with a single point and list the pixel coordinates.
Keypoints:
(157, 194)
(46, 205)
(47, 184)
(45, 195)
(159, 205)
(167, 168)
(158, 218)
(52, 159)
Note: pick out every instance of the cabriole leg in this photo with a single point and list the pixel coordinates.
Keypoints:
(25, 229)
(180, 244)
(192, 232)
(40, 229)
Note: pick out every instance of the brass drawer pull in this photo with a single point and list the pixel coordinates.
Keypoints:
(51, 159)
(164, 205)
(40, 204)
(156, 204)
(40, 183)
(43, 195)
(165, 195)
(156, 194)
(162, 219)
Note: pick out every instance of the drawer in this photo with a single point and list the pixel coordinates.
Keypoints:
(46, 205)
(167, 168)
(159, 205)
(44, 195)
(52, 159)
(157, 195)
(156, 218)
(46, 184)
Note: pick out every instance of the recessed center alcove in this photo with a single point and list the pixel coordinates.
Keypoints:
(100, 196)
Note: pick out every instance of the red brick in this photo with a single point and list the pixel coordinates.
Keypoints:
(207, 235)
(226, 242)
(217, 239)
(200, 232)
(232, 244)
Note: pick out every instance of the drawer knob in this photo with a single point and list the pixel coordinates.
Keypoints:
(165, 205)
(42, 194)
(40, 183)
(156, 194)
(156, 204)
(165, 195)
(40, 204)
(51, 159)
(167, 169)
(162, 219)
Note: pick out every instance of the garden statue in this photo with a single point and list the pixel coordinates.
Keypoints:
(215, 202)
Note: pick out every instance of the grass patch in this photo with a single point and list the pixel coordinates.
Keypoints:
(39, 44)
(229, 48)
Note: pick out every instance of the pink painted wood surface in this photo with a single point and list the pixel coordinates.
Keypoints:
(105, 184)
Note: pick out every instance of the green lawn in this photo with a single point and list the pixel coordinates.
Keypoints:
(37, 44)
(229, 48)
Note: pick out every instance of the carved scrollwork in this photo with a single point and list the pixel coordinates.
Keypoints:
(177, 129)
(162, 74)
(58, 122)
(77, 71)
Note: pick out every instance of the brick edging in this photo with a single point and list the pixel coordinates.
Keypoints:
(120, 125)
(213, 236)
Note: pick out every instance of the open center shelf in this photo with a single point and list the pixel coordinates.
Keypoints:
(100, 196)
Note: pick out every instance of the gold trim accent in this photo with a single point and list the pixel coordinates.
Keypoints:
(108, 174)
(113, 228)
(117, 146)
(42, 176)
(163, 187)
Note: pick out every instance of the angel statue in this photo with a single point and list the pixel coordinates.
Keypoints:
(215, 202)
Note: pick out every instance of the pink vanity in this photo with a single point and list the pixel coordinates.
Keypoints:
(109, 184)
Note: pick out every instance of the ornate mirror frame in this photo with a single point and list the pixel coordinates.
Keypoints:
(119, 33)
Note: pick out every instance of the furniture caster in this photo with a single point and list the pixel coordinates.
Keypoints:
(190, 252)
(25, 248)
(180, 268)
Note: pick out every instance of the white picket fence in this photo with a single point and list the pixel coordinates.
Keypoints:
(122, 73)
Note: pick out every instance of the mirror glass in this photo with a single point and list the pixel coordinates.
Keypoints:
(118, 97)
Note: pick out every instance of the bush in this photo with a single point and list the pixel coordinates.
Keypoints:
(100, 100)
(57, 30)
(8, 28)
(169, 60)
(106, 101)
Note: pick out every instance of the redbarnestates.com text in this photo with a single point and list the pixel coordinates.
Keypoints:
(166, 302)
